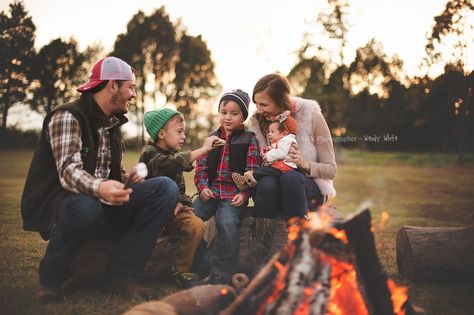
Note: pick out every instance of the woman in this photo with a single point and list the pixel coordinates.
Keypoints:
(294, 193)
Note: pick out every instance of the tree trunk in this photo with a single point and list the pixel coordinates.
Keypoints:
(435, 253)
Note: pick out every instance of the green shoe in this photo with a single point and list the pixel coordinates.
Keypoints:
(185, 279)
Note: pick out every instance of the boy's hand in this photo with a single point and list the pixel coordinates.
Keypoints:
(208, 143)
(180, 208)
(114, 192)
(239, 200)
(135, 179)
(206, 194)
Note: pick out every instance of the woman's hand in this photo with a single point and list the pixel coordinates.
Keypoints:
(206, 194)
(238, 200)
(297, 158)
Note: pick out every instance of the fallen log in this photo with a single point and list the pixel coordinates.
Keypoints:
(260, 239)
(201, 300)
(435, 253)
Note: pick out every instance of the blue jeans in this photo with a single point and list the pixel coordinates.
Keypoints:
(225, 256)
(291, 194)
(134, 227)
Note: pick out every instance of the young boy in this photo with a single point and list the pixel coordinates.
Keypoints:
(166, 128)
(217, 191)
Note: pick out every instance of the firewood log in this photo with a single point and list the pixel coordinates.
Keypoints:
(152, 308)
(435, 253)
(201, 300)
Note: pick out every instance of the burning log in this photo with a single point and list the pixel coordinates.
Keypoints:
(201, 300)
(325, 269)
(435, 253)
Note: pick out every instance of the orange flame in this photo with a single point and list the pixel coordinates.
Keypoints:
(279, 286)
(293, 228)
(339, 234)
(399, 297)
(383, 219)
(224, 291)
(345, 296)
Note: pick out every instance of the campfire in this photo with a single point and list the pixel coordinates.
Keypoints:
(325, 268)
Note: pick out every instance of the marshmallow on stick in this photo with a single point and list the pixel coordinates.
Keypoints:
(218, 143)
(140, 170)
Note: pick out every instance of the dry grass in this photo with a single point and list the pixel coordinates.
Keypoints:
(410, 189)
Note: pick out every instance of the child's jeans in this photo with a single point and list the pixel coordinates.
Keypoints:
(226, 251)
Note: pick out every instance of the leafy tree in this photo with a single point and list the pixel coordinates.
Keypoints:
(146, 46)
(161, 52)
(451, 40)
(336, 23)
(370, 68)
(56, 70)
(17, 36)
(452, 31)
(195, 80)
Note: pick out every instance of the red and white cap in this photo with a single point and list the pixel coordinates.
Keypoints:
(108, 68)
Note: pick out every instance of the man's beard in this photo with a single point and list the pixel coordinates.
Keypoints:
(117, 101)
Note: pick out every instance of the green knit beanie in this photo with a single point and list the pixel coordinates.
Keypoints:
(155, 120)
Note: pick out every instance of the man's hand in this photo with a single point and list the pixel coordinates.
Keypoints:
(114, 192)
(206, 194)
(238, 200)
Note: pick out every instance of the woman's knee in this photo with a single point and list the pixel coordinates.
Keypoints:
(292, 179)
(268, 185)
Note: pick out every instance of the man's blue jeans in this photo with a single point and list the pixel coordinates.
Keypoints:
(134, 226)
(225, 256)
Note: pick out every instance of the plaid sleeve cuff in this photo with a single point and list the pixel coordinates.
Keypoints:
(95, 187)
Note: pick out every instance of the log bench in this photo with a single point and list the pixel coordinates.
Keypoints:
(260, 238)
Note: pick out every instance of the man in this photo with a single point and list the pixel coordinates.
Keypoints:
(74, 190)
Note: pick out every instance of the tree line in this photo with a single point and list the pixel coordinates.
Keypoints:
(178, 66)
(371, 95)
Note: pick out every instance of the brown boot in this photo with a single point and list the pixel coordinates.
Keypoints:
(240, 182)
(249, 179)
(46, 294)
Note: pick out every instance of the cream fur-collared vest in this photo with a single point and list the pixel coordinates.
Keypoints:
(307, 136)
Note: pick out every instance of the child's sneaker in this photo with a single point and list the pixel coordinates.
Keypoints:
(185, 279)
(240, 182)
(249, 179)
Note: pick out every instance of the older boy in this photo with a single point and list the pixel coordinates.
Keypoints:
(166, 128)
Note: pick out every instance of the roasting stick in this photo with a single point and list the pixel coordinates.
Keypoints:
(268, 271)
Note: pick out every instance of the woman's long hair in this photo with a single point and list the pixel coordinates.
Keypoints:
(278, 88)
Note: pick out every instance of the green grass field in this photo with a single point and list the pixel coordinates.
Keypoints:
(415, 189)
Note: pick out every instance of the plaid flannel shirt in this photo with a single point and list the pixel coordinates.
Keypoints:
(64, 135)
(223, 186)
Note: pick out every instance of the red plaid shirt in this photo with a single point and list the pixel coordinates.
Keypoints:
(223, 186)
